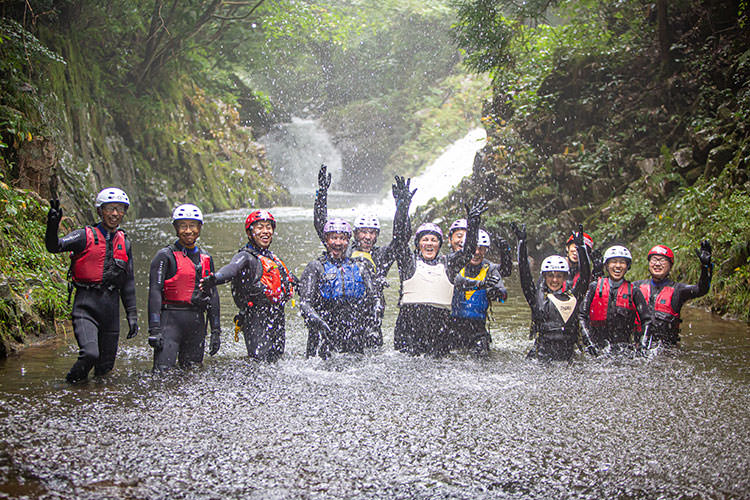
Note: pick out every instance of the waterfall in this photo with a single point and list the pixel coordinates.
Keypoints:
(295, 152)
(442, 175)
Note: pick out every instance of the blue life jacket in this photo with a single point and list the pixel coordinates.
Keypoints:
(341, 282)
(471, 304)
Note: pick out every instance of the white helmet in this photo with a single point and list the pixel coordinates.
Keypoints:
(618, 251)
(555, 263)
(187, 211)
(368, 221)
(457, 224)
(337, 225)
(483, 240)
(111, 195)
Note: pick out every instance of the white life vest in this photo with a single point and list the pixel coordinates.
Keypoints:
(429, 285)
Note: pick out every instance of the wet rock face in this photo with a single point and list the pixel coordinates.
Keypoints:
(36, 161)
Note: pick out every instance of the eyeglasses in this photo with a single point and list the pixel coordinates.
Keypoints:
(110, 209)
(659, 259)
(185, 225)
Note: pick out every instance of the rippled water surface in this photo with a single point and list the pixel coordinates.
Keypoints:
(381, 424)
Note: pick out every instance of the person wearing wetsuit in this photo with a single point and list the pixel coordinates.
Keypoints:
(475, 286)
(614, 312)
(366, 232)
(261, 287)
(338, 299)
(553, 308)
(666, 297)
(101, 270)
(423, 322)
(457, 236)
(176, 305)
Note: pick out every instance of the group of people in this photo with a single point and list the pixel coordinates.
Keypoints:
(444, 298)
(598, 309)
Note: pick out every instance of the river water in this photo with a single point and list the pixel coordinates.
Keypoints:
(382, 424)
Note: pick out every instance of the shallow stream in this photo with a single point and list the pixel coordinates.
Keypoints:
(381, 424)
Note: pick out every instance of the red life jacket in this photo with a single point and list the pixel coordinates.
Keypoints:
(182, 288)
(276, 278)
(663, 301)
(88, 267)
(624, 300)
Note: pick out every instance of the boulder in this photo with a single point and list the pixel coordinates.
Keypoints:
(717, 158)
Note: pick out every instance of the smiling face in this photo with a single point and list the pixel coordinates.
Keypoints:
(457, 239)
(617, 267)
(554, 280)
(261, 233)
(429, 245)
(659, 267)
(188, 232)
(366, 238)
(336, 244)
(112, 215)
(572, 252)
(478, 256)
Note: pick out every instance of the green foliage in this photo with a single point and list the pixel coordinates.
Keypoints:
(32, 279)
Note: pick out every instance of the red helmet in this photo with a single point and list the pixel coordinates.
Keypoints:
(259, 215)
(661, 250)
(587, 240)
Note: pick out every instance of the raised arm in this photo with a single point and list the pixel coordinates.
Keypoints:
(584, 264)
(524, 271)
(457, 260)
(320, 209)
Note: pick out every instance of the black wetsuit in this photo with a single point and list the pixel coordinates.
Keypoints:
(262, 321)
(625, 317)
(556, 336)
(382, 258)
(96, 312)
(665, 322)
(469, 324)
(339, 294)
(183, 327)
(422, 328)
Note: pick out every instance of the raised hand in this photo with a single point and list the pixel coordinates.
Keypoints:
(477, 208)
(55, 213)
(520, 231)
(402, 192)
(704, 253)
(324, 178)
(578, 236)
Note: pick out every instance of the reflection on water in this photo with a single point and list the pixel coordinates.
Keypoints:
(380, 424)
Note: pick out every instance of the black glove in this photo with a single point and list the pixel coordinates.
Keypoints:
(155, 338)
(316, 322)
(578, 236)
(591, 349)
(401, 191)
(207, 283)
(704, 253)
(55, 213)
(215, 342)
(646, 339)
(477, 208)
(132, 327)
(520, 231)
(324, 179)
(491, 280)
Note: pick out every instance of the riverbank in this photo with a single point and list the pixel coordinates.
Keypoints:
(590, 126)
